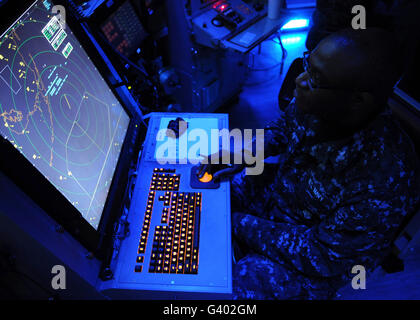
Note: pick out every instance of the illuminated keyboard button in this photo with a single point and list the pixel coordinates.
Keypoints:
(194, 267)
(138, 268)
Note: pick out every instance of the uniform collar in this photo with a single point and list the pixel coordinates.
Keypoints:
(340, 154)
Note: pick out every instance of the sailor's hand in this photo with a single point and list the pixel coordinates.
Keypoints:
(218, 171)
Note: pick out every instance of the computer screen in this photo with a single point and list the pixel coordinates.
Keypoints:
(58, 111)
(124, 30)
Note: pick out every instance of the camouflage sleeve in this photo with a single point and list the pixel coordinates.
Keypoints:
(279, 132)
(353, 235)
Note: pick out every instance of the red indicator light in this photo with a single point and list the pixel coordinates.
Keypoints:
(221, 6)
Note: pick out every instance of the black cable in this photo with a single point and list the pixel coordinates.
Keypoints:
(10, 291)
(281, 64)
(28, 278)
(283, 50)
(25, 276)
(10, 267)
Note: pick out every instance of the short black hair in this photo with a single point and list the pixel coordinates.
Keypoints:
(379, 58)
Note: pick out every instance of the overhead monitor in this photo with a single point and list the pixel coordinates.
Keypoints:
(123, 29)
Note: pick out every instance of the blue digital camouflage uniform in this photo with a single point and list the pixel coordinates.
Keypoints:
(322, 209)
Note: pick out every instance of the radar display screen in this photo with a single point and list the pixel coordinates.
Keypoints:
(58, 111)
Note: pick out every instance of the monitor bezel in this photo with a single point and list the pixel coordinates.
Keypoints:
(55, 204)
